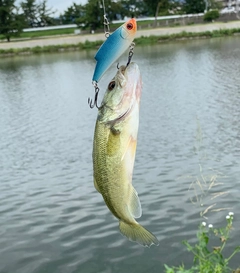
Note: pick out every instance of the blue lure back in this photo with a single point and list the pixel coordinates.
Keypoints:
(115, 45)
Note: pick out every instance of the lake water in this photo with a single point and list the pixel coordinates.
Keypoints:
(52, 220)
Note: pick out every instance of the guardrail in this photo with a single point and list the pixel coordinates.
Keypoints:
(168, 17)
(116, 21)
(49, 28)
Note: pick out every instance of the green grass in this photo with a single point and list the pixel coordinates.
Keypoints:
(42, 33)
(139, 41)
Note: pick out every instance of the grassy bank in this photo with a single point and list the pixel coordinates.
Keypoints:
(49, 49)
(67, 31)
(44, 33)
(139, 41)
(188, 35)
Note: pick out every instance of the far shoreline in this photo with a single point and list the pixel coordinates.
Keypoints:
(93, 41)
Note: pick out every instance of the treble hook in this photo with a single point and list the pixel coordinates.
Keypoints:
(130, 54)
(90, 101)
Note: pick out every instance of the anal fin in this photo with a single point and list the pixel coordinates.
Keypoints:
(134, 206)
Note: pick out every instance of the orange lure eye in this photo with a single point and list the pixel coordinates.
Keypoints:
(129, 26)
(111, 85)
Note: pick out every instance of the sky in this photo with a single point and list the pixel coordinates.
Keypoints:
(61, 5)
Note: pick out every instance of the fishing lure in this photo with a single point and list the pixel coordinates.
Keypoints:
(115, 45)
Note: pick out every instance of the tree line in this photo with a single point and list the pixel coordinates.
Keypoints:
(90, 15)
(36, 13)
(27, 14)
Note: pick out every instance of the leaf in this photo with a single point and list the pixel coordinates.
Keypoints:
(205, 238)
(168, 269)
(186, 243)
(237, 249)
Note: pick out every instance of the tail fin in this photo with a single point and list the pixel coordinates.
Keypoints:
(136, 233)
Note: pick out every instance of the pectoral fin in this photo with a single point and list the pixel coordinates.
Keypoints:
(130, 149)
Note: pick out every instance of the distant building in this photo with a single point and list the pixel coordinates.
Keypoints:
(228, 3)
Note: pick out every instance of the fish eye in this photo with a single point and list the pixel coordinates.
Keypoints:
(111, 85)
(129, 26)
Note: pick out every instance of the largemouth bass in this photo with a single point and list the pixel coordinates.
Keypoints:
(114, 148)
(115, 45)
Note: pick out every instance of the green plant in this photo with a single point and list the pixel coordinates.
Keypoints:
(205, 259)
(37, 49)
(211, 15)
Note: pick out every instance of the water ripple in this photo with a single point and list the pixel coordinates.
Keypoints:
(52, 218)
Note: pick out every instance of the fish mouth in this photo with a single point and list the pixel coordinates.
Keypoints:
(127, 71)
(131, 76)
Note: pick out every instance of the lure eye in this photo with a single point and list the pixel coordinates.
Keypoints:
(129, 26)
(111, 85)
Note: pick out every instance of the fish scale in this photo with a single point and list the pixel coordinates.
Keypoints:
(103, 166)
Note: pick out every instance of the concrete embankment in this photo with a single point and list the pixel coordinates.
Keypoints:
(75, 39)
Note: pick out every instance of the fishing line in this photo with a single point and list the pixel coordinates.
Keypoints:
(105, 21)
(94, 83)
